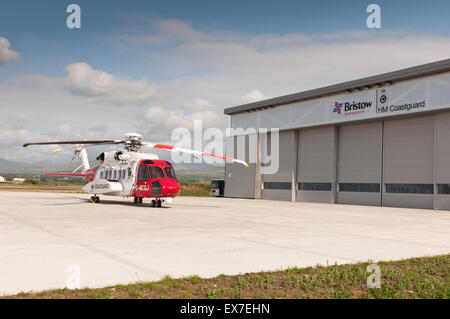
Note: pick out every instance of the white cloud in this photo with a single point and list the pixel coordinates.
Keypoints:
(164, 32)
(14, 136)
(252, 96)
(5, 51)
(240, 67)
(36, 107)
(199, 105)
(11, 141)
(223, 66)
(208, 70)
(157, 123)
(100, 86)
(63, 129)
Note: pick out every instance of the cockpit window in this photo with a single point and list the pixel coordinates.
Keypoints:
(156, 172)
(170, 172)
(143, 173)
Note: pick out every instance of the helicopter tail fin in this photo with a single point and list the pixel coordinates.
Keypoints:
(81, 153)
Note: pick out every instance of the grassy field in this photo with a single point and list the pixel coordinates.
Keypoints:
(187, 188)
(195, 188)
(42, 187)
(427, 277)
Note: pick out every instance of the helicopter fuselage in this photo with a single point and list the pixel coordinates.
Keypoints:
(133, 174)
(129, 172)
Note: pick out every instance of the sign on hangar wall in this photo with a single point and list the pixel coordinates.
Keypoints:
(412, 96)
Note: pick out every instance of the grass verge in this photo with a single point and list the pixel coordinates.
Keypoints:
(198, 189)
(427, 277)
(195, 189)
(40, 188)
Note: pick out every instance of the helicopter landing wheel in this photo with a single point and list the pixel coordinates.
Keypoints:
(140, 200)
(158, 203)
(135, 200)
(95, 199)
(153, 203)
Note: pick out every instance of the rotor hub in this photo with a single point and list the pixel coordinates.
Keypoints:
(133, 142)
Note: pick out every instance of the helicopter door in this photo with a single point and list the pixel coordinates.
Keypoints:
(142, 184)
(156, 174)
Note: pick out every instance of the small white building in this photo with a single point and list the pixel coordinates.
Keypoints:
(2, 179)
(18, 180)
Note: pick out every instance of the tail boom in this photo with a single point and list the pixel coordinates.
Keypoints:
(65, 174)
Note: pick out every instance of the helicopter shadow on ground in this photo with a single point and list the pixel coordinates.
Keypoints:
(131, 204)
(125, 203)
(113, 202)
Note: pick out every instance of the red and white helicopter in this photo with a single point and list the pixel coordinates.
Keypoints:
(128, 172)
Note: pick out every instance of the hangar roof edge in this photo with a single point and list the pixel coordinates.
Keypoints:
(371, 81)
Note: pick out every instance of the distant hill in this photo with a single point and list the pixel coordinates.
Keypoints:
(188, 173)
(4, 162)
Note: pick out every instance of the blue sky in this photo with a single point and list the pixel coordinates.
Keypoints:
(153, 66)
(37, 28)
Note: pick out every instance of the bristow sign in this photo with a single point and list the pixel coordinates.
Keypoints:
(379, 105)
(351, 108)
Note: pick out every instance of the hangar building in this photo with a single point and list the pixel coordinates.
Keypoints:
(382, 140)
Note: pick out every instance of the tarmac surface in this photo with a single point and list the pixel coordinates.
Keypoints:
(47, 239)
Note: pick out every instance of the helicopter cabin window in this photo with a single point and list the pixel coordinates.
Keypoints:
(170, 172)
(114, 175)
(124, 174)
(156, 172)
(143, 173)
(129, 172)
(101, 174)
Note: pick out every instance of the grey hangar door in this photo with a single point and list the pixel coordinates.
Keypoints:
(359, 163)
(408, 166)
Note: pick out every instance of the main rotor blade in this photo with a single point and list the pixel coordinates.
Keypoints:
(99, 142)
(72, 147)
(188, 151)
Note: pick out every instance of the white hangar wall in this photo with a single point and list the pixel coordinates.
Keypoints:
(386, 146)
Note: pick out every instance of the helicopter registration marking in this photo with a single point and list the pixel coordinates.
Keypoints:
(143, 188)
(99, 186)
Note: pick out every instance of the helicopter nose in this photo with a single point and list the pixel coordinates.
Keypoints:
(171, 188)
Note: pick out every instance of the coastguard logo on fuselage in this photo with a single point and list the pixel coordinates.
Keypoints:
(351, 108)
(99, 186)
